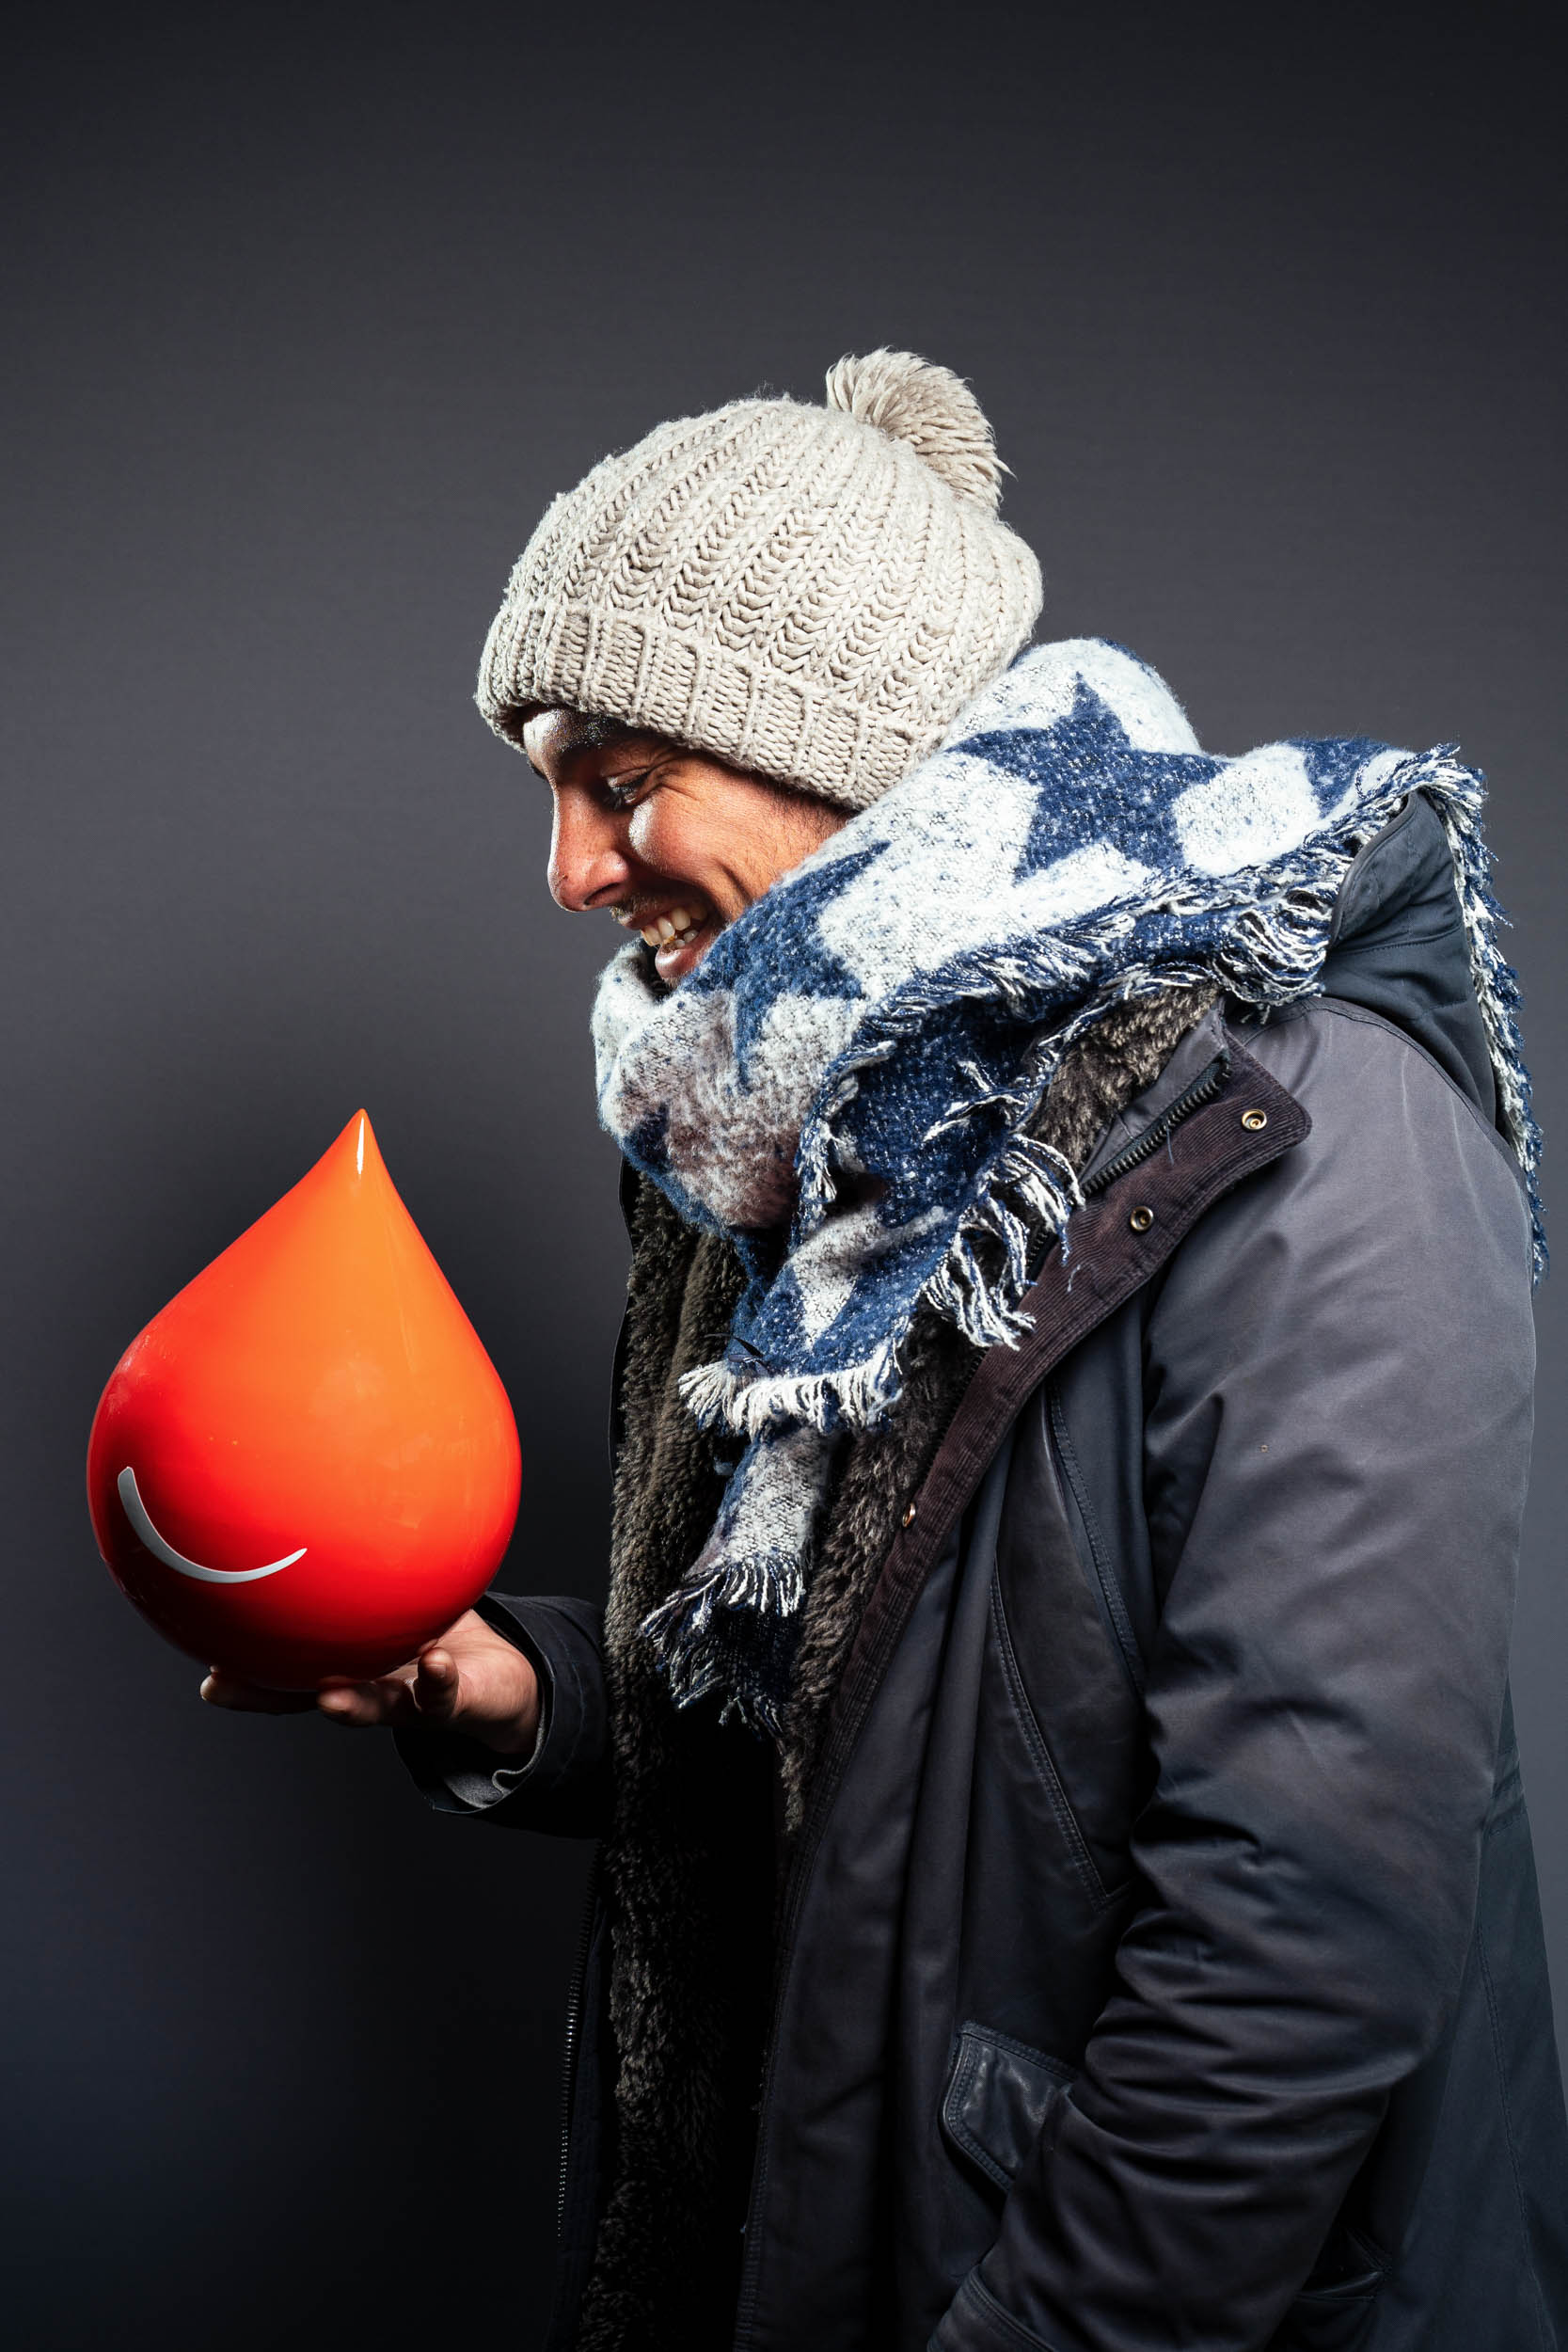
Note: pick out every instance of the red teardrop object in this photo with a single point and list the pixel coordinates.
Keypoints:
(306, 1465)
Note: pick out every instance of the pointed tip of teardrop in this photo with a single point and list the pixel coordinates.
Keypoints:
(356, 1142)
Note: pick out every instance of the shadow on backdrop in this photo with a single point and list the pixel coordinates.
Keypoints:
(311, 312)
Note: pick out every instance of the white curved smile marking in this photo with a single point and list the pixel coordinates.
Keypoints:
(136, 1511)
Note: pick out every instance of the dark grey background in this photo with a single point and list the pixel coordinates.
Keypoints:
(307, 313)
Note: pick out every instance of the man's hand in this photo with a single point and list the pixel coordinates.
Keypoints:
(469, 1680)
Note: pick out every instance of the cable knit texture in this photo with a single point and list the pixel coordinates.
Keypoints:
(810, 593)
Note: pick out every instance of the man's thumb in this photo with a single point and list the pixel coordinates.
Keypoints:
(436, 1685)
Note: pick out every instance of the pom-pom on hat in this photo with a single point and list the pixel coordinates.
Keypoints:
(810, 593)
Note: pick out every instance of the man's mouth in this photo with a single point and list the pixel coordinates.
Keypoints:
(678, 936)
(664, 927)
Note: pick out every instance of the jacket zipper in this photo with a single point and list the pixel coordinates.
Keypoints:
(573, 2023)
(1203, 1089)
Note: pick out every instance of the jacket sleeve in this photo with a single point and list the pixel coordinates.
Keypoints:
(1337, 1424)
(563, 1786)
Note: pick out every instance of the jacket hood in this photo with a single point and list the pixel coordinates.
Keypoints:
(1399, 948)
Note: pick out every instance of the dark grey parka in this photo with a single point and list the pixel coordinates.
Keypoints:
(1137, 1944)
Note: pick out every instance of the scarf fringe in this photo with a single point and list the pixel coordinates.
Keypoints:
(1458, 794)
(744, 1609)
(721, 1398)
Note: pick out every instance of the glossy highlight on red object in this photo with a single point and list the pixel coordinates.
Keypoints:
(306, 1466)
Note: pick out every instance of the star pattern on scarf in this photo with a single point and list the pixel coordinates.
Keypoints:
(814, 968)
(1087, 751)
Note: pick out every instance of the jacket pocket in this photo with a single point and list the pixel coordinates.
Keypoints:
(1041, 1760)
(1067, 1687)
(1002, 2097)
(1334, 2309)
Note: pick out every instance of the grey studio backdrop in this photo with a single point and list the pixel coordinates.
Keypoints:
(307, 314)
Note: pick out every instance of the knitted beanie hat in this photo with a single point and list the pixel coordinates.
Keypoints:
(809, 593)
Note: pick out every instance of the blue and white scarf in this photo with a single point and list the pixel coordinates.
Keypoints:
(843, 1085)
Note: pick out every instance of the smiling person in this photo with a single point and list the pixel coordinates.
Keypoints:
(1064, 1878)
(673, 844)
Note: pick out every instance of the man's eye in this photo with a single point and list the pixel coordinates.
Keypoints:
(622, 790)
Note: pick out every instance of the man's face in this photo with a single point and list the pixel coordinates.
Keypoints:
(672, 843)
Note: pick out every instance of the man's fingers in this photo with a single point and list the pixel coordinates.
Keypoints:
(358, 1704)
(361, 1705)
(251, 1698)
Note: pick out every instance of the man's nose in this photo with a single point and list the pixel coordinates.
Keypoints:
(588, 864)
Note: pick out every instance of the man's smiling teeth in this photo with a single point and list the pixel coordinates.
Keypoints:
(666, 926)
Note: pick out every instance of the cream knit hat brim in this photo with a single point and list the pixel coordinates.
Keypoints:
(809, 593)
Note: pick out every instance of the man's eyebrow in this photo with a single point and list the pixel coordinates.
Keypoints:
(586, 731)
